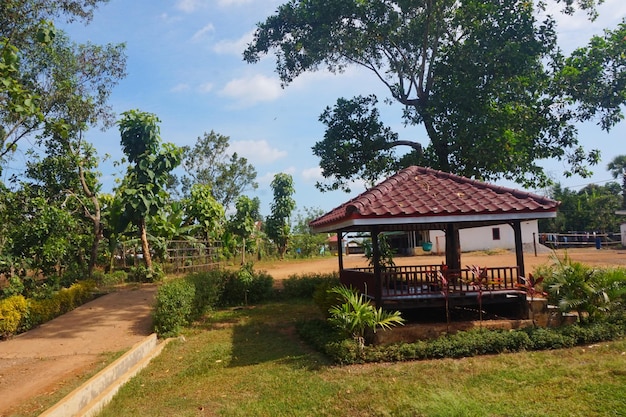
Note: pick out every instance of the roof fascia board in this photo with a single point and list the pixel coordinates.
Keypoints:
(370, 222)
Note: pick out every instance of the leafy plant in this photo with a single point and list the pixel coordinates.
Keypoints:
(355, 315)
(174, 307)
(591, 293)
(532, 287)
(386, 252)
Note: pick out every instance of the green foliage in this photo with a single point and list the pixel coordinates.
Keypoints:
(209, 287)
(277, 224)
(475, 74)
(354, 315)
(324, 298)
(142, 192)
(141, 273)
(307, 285)
(209, 163)
(246, 286)
(592, 208)
(203, 209)
(592, 293)
(386, 252)
(174, 307)
(12, 312)
(462, 344)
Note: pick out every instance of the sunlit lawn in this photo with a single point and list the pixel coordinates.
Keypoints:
(249, 362)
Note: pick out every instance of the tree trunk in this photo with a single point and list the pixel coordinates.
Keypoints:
(145, 248)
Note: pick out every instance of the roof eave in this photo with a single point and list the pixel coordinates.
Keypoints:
(367, 223)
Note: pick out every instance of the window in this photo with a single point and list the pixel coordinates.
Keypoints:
(495, 232)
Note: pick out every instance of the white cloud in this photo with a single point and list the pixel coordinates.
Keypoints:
(312, 174)
(189, 6)
(200, 34)
(251, 90)
(257, 151)
(206, 87)
(235, 47)
(179, 88)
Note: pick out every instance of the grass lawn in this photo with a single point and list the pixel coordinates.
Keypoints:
(250, 362)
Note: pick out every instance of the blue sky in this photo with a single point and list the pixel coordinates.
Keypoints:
(185, 65)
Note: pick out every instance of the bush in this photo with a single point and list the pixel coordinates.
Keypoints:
(174, 307)
(12, 312)
(140, 273)
(209, 287)
(246, 286)
(305, 286)
(324, 298)
(471, 343)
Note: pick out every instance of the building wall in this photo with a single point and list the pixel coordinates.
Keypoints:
(482, 238)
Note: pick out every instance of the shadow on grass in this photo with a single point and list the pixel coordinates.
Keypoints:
(266, 333)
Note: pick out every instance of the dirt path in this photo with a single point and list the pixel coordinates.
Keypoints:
(43, 360)
(590, 256)
(55, 354)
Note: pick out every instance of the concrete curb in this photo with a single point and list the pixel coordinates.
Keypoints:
(89, 399)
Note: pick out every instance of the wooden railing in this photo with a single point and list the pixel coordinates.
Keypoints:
(425, 279)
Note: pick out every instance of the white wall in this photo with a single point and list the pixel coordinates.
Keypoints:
(481, 238)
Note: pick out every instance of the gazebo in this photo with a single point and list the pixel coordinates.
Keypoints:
(418, 199)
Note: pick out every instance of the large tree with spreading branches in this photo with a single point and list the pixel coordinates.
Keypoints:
(485, 78)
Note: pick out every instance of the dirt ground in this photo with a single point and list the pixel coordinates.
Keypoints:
(54, 355)
(590, 256)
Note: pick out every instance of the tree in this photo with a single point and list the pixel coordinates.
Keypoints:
(302, 241)
(142, 192)
(485, 78)
(277, 224)
(242, 223)
(617, 167)
(209, 163)
(590, 209)
(207, 212)
(53, 84)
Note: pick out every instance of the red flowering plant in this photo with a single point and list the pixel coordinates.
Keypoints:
(480, 281)
(532, 287)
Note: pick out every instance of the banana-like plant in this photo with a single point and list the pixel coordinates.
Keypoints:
(355, 314)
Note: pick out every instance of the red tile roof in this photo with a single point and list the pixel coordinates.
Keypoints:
(435, 196)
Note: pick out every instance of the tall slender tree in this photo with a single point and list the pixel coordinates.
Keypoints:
(142, 192)
(277, 224)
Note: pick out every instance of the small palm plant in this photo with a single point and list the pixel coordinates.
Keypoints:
(356, 314)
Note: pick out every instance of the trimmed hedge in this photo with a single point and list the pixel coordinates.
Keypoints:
(321, 335)
(18, 314)
(174, 307)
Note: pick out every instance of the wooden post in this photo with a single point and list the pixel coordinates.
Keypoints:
(378, 291)
(340, 250)
(519, 247)
(453, 247)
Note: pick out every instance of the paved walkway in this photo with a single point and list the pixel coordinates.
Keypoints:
(45, 359)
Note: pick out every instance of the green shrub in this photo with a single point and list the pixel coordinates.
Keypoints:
(209, 287)
(305, 286)
(246, 286)
(140, 273)
(12, 312)
(462, 344)
(112, 279)
(174, 307)
(15, 287)
(324, 298)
